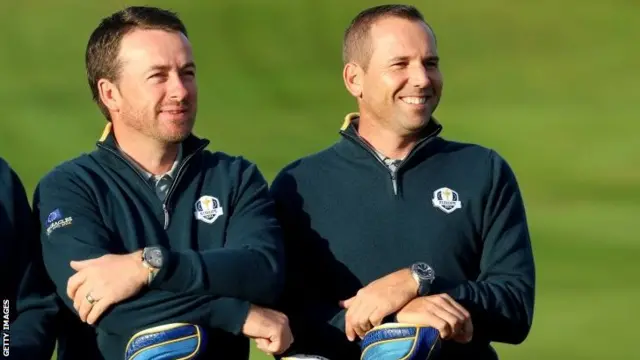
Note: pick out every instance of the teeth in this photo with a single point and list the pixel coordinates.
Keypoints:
(414, 100)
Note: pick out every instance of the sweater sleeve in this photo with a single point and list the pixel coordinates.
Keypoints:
(316, 321)
(501, 299)
(32, 306)
(250, 265)
(73, 229)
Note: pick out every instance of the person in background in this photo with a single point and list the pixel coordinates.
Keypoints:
(27, 294)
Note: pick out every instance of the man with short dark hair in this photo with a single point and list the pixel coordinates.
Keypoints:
(394, 223)
(29, 306)
(151, 236)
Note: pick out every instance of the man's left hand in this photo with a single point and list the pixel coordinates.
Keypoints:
(106, 280)
(377, 300)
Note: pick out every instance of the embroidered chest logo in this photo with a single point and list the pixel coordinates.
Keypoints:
(446, 200)
(208, 209)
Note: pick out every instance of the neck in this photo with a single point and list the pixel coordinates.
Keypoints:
(385, 140)
(151, 155)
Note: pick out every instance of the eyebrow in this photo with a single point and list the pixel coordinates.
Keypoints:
(188, 65)
(406, 58)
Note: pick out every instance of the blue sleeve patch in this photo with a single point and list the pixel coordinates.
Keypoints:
(55, 220)
(54, 216)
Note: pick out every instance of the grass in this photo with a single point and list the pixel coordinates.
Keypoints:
(550, 85)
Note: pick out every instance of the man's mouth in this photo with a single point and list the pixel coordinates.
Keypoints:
(414, 100)
(174, 111)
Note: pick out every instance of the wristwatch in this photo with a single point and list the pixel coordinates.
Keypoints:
(424, 276)
(152, 260)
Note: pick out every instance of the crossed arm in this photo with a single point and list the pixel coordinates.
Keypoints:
(207, 287)
(496, 306)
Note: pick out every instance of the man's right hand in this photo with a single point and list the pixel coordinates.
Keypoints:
(269, 328)
(442, 313)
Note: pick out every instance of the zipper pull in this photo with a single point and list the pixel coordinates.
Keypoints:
(394, 181)
(166, 216)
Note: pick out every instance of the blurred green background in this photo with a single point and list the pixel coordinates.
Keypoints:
(551, 85)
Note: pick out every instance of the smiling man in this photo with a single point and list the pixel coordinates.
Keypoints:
(396, 223)
(151, 229)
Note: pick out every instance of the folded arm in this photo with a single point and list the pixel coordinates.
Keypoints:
(73, 230)
(250, 266)
(501, 299)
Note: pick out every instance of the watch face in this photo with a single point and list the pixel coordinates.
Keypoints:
(153, 256)
(424, 271)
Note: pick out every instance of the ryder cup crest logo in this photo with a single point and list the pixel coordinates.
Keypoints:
(446, 200)
(208, 209)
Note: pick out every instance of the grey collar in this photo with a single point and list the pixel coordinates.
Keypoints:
(149, 176)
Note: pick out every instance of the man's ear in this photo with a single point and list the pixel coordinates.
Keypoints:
(109, 94)
(353, 75)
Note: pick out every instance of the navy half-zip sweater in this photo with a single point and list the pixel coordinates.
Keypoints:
(217, 227)
(349, 220)
(27, 296)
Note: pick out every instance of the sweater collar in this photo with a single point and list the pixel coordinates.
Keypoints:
(189, 146)
(354, 146)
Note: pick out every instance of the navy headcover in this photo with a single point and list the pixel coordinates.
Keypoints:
(395, 341)
(165, 342)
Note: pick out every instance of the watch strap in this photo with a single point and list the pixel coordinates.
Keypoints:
(424, 287)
